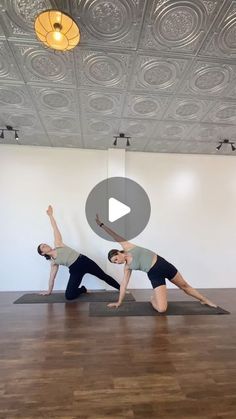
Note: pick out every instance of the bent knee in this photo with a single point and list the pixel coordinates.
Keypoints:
(160, 308)
(69, 296)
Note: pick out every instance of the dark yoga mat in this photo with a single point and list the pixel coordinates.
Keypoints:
(108, 296)
(136, 308)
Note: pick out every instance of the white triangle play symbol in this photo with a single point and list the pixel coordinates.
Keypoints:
(117, 209)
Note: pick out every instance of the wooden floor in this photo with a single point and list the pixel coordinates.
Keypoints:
(56, 362)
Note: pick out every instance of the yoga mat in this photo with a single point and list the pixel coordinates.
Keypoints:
(108, 296)
(136, 308)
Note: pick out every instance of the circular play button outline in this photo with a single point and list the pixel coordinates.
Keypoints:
(122, 205)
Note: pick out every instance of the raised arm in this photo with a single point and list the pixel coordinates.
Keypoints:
(56, 232)
(123, 242)
(53, 273)
(123, 286)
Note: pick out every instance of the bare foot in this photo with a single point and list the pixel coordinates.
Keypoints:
(208, 303)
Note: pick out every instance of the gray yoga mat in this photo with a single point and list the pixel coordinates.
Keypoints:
(136, 308)
(59, 297)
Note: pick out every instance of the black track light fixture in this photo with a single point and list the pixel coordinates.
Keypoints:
(121, 136)
(9, 128)
(226, 142)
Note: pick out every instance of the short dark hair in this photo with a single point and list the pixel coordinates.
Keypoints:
(113, 252)
(41, 254)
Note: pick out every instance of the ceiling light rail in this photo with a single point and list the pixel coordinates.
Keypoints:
(226, 142)
(121, 136)
(9, 128)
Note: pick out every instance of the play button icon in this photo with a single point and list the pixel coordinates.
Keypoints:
(121, 204)
(117, 210)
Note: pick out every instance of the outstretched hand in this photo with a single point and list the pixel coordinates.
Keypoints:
(50, 210)
(115, 305)
(44, 293)
(98, 221)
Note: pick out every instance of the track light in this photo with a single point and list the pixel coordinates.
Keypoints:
(11, 129)
(121, 136)
(227, 142)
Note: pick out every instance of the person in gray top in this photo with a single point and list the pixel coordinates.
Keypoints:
(156, 267)
(78, 264)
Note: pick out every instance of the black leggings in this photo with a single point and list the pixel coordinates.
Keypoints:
(83, 265)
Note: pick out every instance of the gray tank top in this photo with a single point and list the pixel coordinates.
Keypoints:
(142, 259)
(65, 256)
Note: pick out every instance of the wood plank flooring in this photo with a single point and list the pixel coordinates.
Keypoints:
(56, 362)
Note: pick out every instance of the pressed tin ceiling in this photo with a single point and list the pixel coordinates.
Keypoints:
(160, 71)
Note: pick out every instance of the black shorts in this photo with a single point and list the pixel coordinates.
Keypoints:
(160, 271)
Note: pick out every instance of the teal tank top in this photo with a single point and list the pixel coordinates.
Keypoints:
(65, 256)
(142, 259)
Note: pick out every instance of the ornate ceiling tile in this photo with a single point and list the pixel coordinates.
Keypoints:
(8, 67)
(61, 123)
(14, 96)
(152, 69)
(194, 147)
(103, 69)
(34, 138)
(99, 126)
(183, 147)
(69, 140)
(108, 22)
(54, 100)
(19, 16)
(159, 145)
(177, 26)
(221, 41)
(188, 109)
(145, 106)
(157, 73)
(172, 130)
(21, 119)
(102, 103)
(206, 133)
(98, 141)
(2, 33)
(222, 113)
(137, 128)
(38, 64)
(209, 78)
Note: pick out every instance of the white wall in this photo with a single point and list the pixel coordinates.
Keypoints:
(30, 179)
(192, 223)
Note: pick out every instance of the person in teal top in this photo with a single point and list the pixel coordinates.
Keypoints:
(78, 264)
(156, 267)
